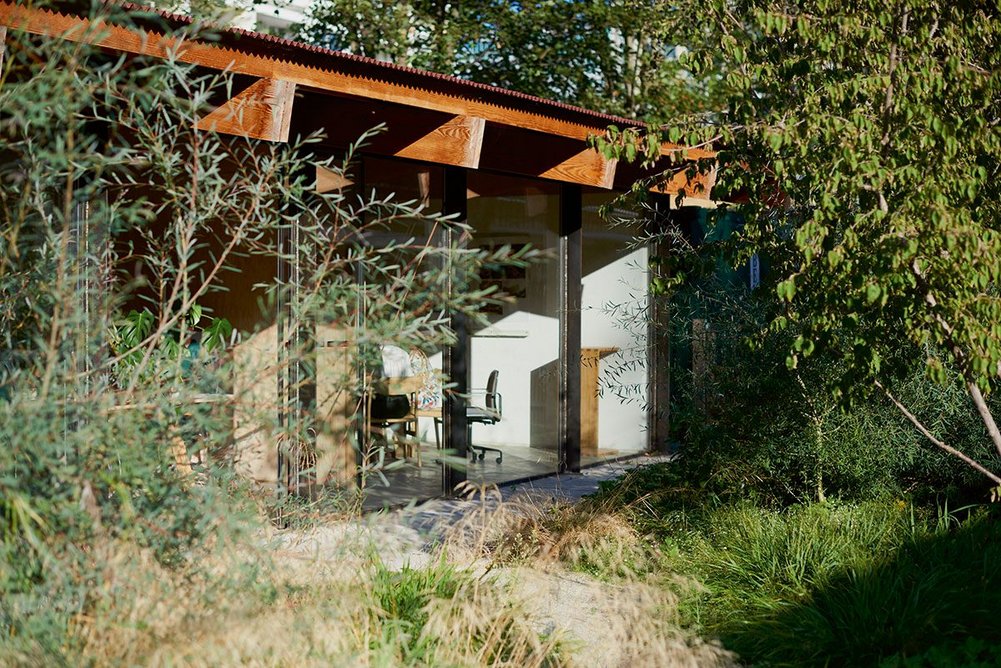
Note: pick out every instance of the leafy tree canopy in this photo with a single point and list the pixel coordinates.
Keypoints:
(869, 148)
(615, 56)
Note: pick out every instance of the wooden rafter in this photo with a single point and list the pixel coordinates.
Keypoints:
(262, 111)
(458, 141)
(698, 186)
(329, 181)
(520, 151)
(588, 168)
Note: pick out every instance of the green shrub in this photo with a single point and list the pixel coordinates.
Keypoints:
(832, 584)
(104, 168)
(872, 600)
(750, 427)
(968, 653)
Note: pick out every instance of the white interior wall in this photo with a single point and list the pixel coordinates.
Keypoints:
(514, 345)
(613, 306)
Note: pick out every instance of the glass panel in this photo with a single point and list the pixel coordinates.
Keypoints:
(614, 313)
(403, 450)
(521, 342)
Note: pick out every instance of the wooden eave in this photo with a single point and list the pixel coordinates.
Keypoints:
(460, 120)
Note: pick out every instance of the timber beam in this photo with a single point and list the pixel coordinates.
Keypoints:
(410, 132)
(329, 181)
(519, 151)
(262, 111)
(458, 142)
(696, 185)
(682, 178)
(588, 167)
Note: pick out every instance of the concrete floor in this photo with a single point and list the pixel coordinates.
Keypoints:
(408, 483)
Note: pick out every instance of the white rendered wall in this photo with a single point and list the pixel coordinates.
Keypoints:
(613, 308)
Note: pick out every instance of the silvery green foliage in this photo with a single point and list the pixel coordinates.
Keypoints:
(102, 168)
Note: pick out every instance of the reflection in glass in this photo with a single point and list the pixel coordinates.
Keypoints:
(614, 320)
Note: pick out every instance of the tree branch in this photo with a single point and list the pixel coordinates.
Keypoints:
(985, 414)
(924, 430)
(961, 359)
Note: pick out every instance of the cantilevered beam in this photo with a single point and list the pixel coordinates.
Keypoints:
(329, 181)
(413, 133)
(458, 141)
(588, 168)
(519, 151)
(697, 186)
(262, 111)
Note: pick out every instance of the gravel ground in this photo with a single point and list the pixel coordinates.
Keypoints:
(598, 620)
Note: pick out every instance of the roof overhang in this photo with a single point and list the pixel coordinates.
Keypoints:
(295, 87)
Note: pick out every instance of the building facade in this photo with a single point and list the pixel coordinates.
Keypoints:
(581, 373)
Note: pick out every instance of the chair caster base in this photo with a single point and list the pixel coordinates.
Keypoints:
(481, 455)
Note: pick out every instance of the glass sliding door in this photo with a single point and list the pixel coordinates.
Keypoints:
(399, 462)
(520, 347)
(614, 321)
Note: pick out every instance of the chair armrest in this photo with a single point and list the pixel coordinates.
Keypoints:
(500, 399)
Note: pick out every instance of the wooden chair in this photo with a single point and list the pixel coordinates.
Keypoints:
(380, 424)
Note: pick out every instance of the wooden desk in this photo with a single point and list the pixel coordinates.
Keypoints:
(590, 359)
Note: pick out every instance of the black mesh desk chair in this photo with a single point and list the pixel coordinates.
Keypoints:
(489, 413)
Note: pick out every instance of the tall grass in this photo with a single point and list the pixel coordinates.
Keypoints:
(880, 582)
(848, 586)
(585, 569)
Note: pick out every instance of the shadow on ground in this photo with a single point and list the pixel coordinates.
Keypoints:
(934, 602)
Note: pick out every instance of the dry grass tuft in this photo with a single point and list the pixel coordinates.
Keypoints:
(266, 608)
(504, 637)
(590, 536)
(583, 571)
(522, 583)
(597, 542)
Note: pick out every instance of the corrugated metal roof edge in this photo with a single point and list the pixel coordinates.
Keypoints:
(390, 72)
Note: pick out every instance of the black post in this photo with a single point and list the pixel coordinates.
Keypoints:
(283, 317)
(571, 238)
(659, 341)
(296, 363)
(456, 358)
